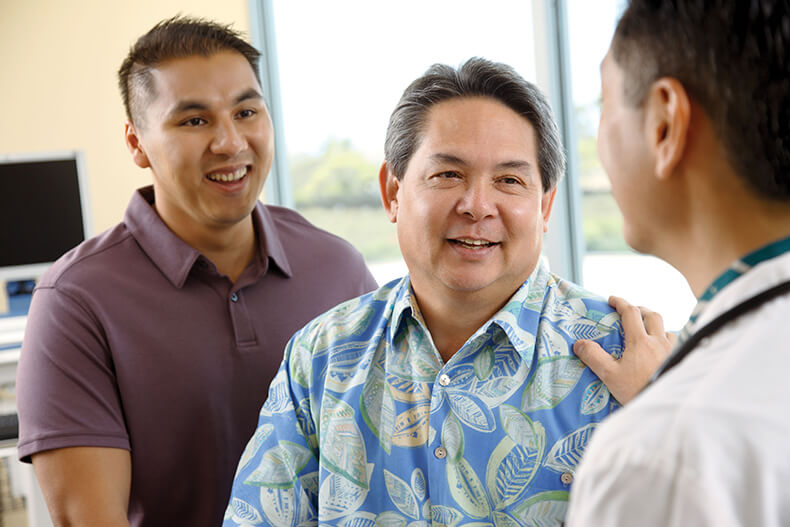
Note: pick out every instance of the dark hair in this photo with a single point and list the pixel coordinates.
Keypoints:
(176, 37)
(732, 58)
(476, 77)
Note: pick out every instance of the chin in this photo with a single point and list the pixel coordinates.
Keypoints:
(636, 241)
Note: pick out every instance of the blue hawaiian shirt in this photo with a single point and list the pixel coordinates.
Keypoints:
(365, 425)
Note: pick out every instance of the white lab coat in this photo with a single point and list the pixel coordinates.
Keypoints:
(709, 443)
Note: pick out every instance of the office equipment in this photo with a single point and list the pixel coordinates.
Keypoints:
(43, 210)
(9, 426)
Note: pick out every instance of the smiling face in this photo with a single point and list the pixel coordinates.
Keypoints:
(207, 137)
(470, 208)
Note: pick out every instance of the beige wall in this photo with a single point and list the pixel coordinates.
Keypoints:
(58, 63)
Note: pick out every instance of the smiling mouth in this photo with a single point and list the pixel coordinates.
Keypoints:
(228, 177)
(468, 243)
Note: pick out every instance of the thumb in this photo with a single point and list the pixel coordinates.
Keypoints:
(594, 357)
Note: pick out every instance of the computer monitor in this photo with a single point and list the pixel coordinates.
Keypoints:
(43, 211)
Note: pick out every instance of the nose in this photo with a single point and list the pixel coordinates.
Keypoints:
(478, 200)
(227, 138)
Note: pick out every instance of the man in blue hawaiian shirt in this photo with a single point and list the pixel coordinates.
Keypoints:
(452, 395)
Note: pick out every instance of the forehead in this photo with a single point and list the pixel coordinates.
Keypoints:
(224, 73)
(478, 129)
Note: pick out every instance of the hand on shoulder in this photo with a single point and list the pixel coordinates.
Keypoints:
(647, 346)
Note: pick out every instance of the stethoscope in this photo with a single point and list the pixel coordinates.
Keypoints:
(717, 323)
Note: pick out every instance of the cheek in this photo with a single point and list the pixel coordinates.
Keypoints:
(604, 145)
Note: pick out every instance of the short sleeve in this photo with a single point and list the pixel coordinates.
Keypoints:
(67, 393)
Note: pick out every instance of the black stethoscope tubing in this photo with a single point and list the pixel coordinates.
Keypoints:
(716, 324)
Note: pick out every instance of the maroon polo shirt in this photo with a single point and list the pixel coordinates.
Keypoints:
(135, 341)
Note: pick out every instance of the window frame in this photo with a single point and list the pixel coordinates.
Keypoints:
(564, 243)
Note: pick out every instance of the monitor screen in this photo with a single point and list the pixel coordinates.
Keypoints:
(42, 210)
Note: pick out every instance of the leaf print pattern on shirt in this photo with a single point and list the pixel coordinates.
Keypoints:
(516, 458)
(554, 379)
(378, 407)
(342, 446)
(595, 398)
(360, 396)
(567, 452)
(546, 508)
(280, 466)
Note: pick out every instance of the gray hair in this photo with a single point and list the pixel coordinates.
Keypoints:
(477, 77)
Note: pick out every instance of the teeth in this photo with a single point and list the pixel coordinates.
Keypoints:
(476, 243)
(233, 176)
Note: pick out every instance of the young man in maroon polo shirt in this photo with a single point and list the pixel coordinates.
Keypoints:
(149, 349)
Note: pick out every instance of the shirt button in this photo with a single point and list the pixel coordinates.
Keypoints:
(234, 297)
(440, 452)
(444, 379)
(566, 478)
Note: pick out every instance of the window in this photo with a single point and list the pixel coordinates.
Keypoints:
(343, 67)
(609, 266)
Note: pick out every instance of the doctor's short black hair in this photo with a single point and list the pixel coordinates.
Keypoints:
(477, 77)
(733, 59)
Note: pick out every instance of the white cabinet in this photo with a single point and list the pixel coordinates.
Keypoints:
(21, 502)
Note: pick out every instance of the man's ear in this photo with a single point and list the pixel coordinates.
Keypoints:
(135, 146)
(389, 186)
(546, 203)
(668, 113)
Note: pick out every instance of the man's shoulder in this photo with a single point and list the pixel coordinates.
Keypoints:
(577, 302)
(294, 228)
(93, 254)
(358, 319)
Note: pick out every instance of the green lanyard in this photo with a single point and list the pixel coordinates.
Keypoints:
(738, 268)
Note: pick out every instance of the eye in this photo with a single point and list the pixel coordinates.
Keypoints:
(246, 113)
(194, 121)
(510, 180)
(449, 174)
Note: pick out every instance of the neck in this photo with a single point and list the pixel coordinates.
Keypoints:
(723, 231)
(710, 215)
(231, 254)
(230, 248)
(453, 318)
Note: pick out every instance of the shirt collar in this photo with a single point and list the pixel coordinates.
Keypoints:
(268, 236)
(520, 316)
(736, 270)
(173, 256)
(528, 297)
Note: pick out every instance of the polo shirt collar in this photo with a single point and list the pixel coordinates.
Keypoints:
(268, 236)
(173, 256)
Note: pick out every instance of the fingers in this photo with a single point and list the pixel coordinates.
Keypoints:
(654, 324)
(630, 315)
(594, 356)
(637, 321)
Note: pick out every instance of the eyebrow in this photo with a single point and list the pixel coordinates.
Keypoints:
(191, 105)
(508, 165)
